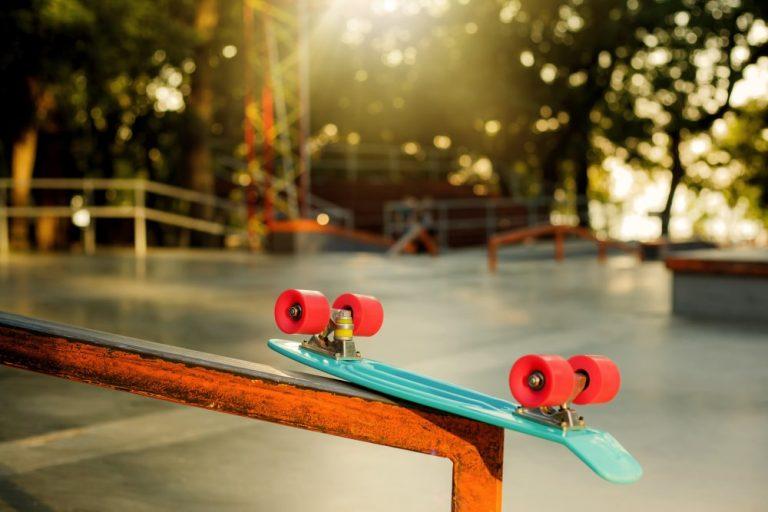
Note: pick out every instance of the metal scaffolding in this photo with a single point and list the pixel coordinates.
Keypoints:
(276, 111)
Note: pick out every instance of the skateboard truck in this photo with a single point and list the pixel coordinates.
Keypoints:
(546, 385)
(564, 415)
(336, 340)
(332, 329)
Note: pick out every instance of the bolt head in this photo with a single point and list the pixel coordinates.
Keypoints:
(536, 381)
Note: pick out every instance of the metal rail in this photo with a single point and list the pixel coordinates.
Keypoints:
(139, 211)
(449, 218)
(558, 233)
(136, 210)
(260, 392)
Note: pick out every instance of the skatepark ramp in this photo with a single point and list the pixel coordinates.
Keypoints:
(260, 392)
(309, 236)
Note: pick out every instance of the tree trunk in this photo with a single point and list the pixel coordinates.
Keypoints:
(677, 176)
(22, 165)
(581, 176)
(199, 164)
(46, 233)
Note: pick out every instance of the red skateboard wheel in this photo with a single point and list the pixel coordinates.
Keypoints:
(367, 312)
(541, 380)
(302, 312)
(603, 378)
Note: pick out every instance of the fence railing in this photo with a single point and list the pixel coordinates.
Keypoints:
(224, 217)
(451, 219)
(558, 234)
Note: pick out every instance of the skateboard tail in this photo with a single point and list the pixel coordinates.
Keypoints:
(606, 457)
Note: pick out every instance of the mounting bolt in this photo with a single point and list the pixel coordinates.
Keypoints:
(294, 311)
(536, 381)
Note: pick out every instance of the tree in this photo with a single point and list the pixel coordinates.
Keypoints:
(88, 72)
(41, 48)
(677, 83)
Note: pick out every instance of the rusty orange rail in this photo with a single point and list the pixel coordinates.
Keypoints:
(558, 233)
(260, 392)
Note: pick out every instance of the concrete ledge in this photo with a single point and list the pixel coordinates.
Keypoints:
(720, 284)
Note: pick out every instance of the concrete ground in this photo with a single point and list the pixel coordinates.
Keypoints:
(693, 406)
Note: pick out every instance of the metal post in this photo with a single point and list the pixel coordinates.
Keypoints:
(250, 118)
(386, 220)
(493, 258)
(602, 250)
(140, 220)
(442, 226)
(559, 243)
(89, 237)
(490, 218)
(89, 232)
(305, 161)
(5, 244)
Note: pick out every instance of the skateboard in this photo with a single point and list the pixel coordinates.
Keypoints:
(545, 386)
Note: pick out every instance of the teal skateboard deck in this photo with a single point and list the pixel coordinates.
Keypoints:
(597, 449)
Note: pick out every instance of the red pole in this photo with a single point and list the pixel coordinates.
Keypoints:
(249, 105)
(268, 125)
(268, 119)
(305, 162)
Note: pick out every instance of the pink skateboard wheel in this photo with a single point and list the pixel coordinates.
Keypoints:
(603, 378)
(302, 312)
(367, 312)
(541, 380)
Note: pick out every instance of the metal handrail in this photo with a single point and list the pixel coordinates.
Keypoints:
(154, 187)
(440, 215)
(139, 210)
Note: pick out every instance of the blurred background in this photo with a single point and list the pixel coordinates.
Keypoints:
(639, 119)
(168, 167)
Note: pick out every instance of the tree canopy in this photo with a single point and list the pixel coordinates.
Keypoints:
(562, 97)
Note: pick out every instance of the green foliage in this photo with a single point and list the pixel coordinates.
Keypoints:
(92, 63)
(563, 83)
